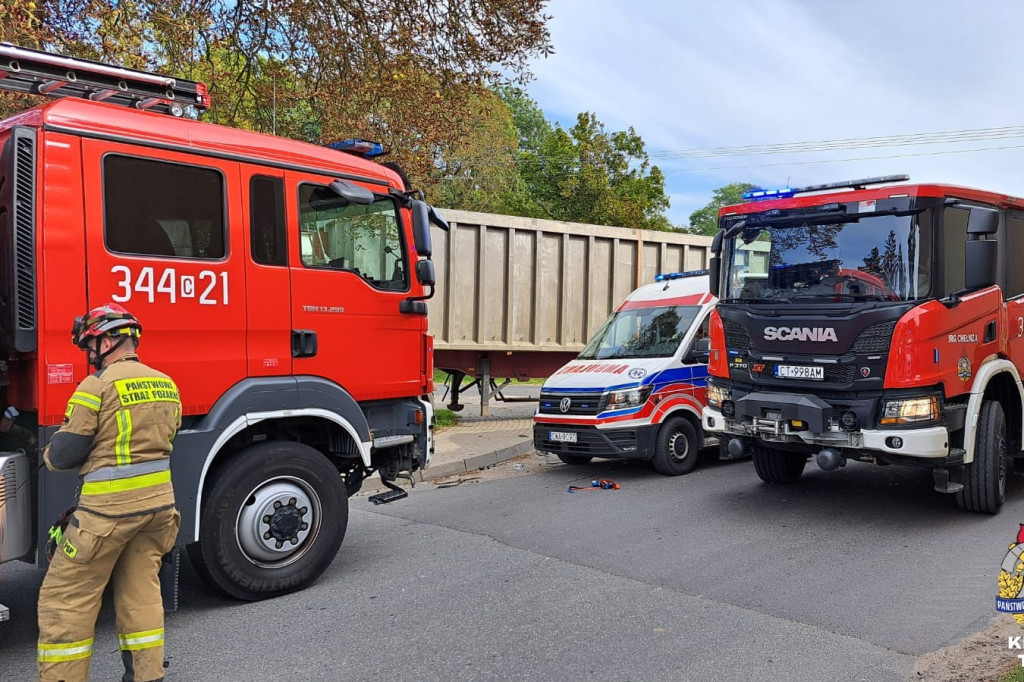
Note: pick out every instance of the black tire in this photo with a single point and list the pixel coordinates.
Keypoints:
(676, 451)
(985, 478)
(575, 460)
(301, 493)
(776, 466)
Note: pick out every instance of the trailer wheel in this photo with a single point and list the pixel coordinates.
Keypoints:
(676, 451)
(574, 460)
(985, 477)
(272, 521)
(776, 466)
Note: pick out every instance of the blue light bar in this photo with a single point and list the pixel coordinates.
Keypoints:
(363, 148)
(762, 194)
(679, 275)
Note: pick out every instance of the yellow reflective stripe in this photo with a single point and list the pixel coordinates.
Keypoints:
(69, 651)
(146, 390)
(122, 484)
(147, 639)
(84, 399)
(123, 444)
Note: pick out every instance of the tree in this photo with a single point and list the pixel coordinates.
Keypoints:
(404, 72)
(586, 174)
(705, 220)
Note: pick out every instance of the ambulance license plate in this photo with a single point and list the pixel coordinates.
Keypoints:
(799, 372)
(562, 436)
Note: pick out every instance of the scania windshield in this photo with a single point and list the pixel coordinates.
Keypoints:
(838, 253)
(641, 333)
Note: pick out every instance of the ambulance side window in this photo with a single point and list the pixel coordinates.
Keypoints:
(266, 221)
(155, 208)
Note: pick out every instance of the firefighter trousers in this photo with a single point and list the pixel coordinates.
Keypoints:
(96, 550)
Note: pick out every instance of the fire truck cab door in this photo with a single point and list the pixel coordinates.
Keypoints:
(159, 241)
(350, 274)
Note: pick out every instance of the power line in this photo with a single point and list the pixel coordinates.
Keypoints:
(946, 137)
(861, 158)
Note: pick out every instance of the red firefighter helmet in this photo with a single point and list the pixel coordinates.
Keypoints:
(110, 319)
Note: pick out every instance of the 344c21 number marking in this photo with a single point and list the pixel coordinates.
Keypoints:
(211, 288)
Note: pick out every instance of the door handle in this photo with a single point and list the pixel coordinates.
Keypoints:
(303, 343)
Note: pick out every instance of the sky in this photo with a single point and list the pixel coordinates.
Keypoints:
(698, 75)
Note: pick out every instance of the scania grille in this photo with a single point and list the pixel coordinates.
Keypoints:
(874, 339)
(834, 374)
(736, 337)
(579, 404)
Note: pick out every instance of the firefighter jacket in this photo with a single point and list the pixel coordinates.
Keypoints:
(118, 431)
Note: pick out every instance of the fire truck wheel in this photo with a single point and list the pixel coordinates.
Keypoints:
(985, 477)
(775, 466)
(675, 453)
(272, 521)
(575, 460)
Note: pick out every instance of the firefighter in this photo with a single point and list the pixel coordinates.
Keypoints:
(118, 432)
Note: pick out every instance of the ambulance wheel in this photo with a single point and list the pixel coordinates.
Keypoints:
(985, 477)
(272, 521)
(776, 466)
(675, 453)
(575, 460)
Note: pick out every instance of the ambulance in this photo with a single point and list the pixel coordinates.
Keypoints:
(637, 389)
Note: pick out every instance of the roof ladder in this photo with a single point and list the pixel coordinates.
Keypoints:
(41, 73)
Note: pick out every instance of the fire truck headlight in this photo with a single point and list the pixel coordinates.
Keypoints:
(910, 411)
(632, 397)
(718, 395)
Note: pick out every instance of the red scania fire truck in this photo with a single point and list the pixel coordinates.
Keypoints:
(281, 284)
(876, 322)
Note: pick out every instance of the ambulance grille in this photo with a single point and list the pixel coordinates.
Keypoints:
(588, 404)
(24, 238)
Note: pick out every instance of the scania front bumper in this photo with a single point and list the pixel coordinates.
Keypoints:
(817, 428)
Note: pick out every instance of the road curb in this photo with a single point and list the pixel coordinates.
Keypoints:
(483, 461)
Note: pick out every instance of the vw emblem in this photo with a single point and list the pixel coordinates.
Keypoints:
(565, 404)
(637, 373)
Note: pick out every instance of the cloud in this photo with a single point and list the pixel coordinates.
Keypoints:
(691, 75)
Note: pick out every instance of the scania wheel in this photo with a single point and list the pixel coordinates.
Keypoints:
(776, 466)
(985, 477)
(272, 521)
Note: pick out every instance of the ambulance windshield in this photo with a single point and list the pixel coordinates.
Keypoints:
(641, 333)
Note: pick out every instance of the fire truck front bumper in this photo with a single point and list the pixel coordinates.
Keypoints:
(801, 420)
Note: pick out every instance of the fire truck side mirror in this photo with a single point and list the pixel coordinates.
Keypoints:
(983, 221)
(715, 264)
(421, 228)
(425, 272)
(352, 192)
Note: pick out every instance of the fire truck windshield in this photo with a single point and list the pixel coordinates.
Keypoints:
(827, 259)
(641, 333)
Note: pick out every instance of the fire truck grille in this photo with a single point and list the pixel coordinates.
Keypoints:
(24, 230)
(579, 403)
(834, 374)
(874, 339)
(736, 337)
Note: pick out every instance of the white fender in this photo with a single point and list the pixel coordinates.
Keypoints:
(981, 380)
(252, 418)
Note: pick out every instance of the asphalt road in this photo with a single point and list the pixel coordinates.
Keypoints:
(846, 576)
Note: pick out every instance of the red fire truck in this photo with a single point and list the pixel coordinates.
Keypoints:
(871, 321)
(281, 284)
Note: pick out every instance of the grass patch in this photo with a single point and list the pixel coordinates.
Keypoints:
(1015, 675)
(441, 376)
(445, 418)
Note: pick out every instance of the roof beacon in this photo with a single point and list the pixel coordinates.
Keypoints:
(679, 275)
(363, 148)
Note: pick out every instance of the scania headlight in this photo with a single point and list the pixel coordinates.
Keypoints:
(717, 395)
(910, 411)
(630, 397)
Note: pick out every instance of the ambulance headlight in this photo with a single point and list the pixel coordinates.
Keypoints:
(900, 411)
(631, 397)
(718, 395)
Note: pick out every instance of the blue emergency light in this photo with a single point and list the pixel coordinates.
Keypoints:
(363, 148)
(762, 194)
(679, 275)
